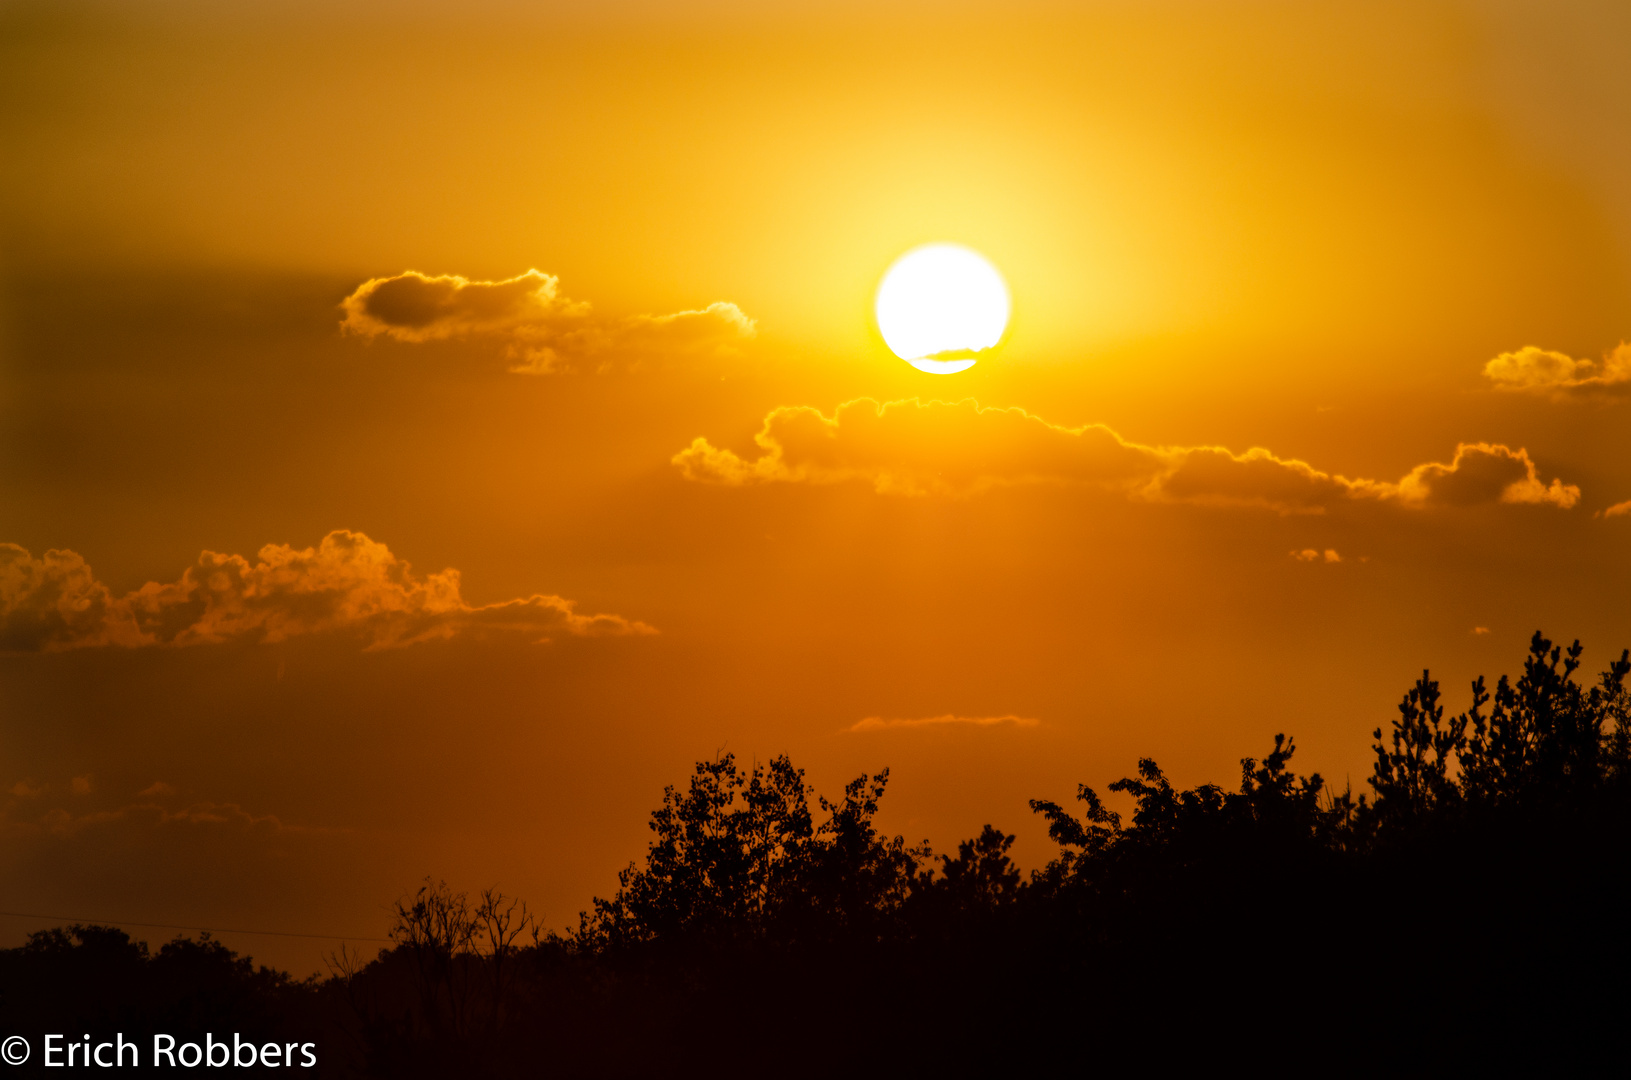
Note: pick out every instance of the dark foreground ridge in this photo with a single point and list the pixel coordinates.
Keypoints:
(1470, 911)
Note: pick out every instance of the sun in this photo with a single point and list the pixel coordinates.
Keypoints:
(940, 304)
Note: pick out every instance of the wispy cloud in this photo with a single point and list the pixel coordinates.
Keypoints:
(878, 723)
(224, 818)
(1617, 510)
(1329, 555)
(915, 447)
(347, 583)
(538, 331)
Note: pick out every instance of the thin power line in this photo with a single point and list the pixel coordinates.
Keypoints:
(173, 926)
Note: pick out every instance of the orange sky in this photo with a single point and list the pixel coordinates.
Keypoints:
(1355, 236)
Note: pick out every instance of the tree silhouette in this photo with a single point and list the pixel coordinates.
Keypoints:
(1546, 738)
(982, 876)
(1462, 914)
(739, 853)
(724, 849)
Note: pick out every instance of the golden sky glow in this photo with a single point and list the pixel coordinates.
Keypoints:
(428, 428)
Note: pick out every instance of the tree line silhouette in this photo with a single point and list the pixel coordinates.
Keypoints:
(1470, 911)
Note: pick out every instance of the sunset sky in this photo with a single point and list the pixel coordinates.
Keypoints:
(427, 429)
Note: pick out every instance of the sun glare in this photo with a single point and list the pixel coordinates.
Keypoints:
(940, 304)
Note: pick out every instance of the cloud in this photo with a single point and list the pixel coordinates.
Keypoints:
(415, 307)
(156, 790)
(1617, 510)
(878, 723)
(914, 447)
(540, 331)
(229, 818)
(1484, 473)
(1480, 631)
(1538, 371)
(23, 789)
(347, 583)
(80, 785)
(1314, 555)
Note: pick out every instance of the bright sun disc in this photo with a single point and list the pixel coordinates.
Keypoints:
(938, 304)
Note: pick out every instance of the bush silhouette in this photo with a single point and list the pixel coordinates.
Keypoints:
(1462, 914)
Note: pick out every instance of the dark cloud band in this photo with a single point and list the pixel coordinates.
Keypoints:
(538, 331)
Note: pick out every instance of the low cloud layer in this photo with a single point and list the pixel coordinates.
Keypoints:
(225, 817)
(914, 447)
(348, 583)
(538, 331)
(878, 723)
(1531, 370)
